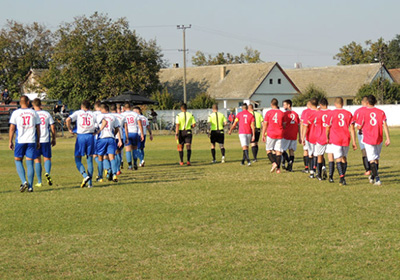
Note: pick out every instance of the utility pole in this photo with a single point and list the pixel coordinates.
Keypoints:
(183, 27)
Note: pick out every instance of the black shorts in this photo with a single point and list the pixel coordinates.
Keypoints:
(217, 136)
(185, 137)
(256, 135)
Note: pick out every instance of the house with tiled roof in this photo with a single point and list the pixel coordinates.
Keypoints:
(395, 73)
(232, 85)
(338, 81)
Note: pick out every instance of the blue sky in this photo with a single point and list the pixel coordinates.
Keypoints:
(307, 31)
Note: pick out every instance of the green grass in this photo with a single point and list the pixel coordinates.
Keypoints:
(206, 221)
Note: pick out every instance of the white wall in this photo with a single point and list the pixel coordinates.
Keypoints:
(392, 112)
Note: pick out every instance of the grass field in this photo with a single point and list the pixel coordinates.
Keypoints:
(219, 221)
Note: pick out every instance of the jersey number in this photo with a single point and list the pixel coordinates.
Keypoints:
(373, 120)
(27, 120)
(131, 120)
(275, 118)
(341, 119)
(86, 121)
(43, 121)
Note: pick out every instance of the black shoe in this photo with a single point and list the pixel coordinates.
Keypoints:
(122, 165)
(344, 182)
(306, 171)
(242, 163)
(30, 189)
(289, 167)
(23, 187)
(312, 176)
(324, 174)
(135, 167)
(331, 180)
(319, 178)
(109, 176)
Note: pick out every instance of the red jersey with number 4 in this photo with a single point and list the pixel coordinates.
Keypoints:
(371, 121)
(358, 113)
(245, 119)
(340, 120)
(274, 118)
(321, 122)
(291, 120)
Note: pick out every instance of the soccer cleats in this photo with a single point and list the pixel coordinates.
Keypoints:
(23, 187)
(85, 181)
(274, 167)
(38, 185)
(48, 178)
(223, 160)
(115, 179)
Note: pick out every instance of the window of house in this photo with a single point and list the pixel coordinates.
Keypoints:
(271, 81)
(279, 81)
(349, 102)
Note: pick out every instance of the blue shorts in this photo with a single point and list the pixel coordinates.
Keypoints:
(84, 145)
(133, 139)
(95, 145)
(45, 150)
(141, 144)
(106, 146)
(27, 149)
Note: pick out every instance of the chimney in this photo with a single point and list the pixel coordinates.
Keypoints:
(175, 65)
(223, 72)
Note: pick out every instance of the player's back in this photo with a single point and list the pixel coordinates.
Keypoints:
(358, 113)
(291, 120)
(131, 119)
(25, 121)
(245, 119)
(145, 123)
(274, 118)
(45, 121)
(321, 122)
(85, 120)
(109, 129)
(372, 120)
(340, 120)
(309, 120)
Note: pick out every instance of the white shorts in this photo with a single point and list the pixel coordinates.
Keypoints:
(339, 151)
(329, 149)
(373, 151)
(319, 150)
(360, 141)
(305, 147)
(310, 148)
(274, 144)
(245, 139)
(289, 145)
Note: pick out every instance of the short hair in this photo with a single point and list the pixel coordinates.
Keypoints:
(85, 104)
(244, 105)
(251, 105)
(288, 102)
(136, 108)
(274, 102)
(184, 106)
(24, 99)
(97, 103)
(37, 102)
(323, 102)
(113, 107)
(339, 100)
(127, 105)
(314, 101)
(371, 100)
(215, 106)
(105, 107)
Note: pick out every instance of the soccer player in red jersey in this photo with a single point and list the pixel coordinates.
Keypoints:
(291, 122)
(273, 134)
(321, 122)
(305, 147)
(357, 115)
(246, 131)
(308, 137)
(372, 121)
(337, 133)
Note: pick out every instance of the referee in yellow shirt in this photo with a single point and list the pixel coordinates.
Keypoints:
(258, 120)
(216, 123)
(184, 123)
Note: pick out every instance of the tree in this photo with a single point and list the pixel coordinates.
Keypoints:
(249, 56)
(352, 53)
(310, 92)
(96, 58)
(22, 47)
(165, 100)
(393, 57)
(201, 101)
(384, 91)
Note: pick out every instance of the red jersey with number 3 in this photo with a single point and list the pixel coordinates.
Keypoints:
(245, 119)
(274, 118)
(371, 121)
(321, 122)
(291, 120)
(340, 120)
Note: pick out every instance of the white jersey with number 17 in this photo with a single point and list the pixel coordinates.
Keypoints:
(85, 121)
(25, 121)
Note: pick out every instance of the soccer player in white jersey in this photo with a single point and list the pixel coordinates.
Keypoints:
(25, 123)
(97, 113)
(121, 132)
(109, 126)
(146, 127)
(133, 125)
(46, 125)
(84, 145)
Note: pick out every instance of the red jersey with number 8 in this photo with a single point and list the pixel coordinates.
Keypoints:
(340, 120)
(371, 121)
(274, 118)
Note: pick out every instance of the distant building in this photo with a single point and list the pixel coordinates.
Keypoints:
(31, 85)
(395, 73)
(233, 84)
(338, 81)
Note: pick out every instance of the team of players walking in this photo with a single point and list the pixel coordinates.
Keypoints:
(103, 133)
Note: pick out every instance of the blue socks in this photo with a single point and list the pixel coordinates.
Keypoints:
(30, 171)
(106, 164)
(118, 161)
(135, 156)
(20, 170)
(96, 159)
(140, 153)
(100, 168)
(114, 166)
(90, 168)
(38, 169)
(79, 165)
(47, 166)
(129, 158)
